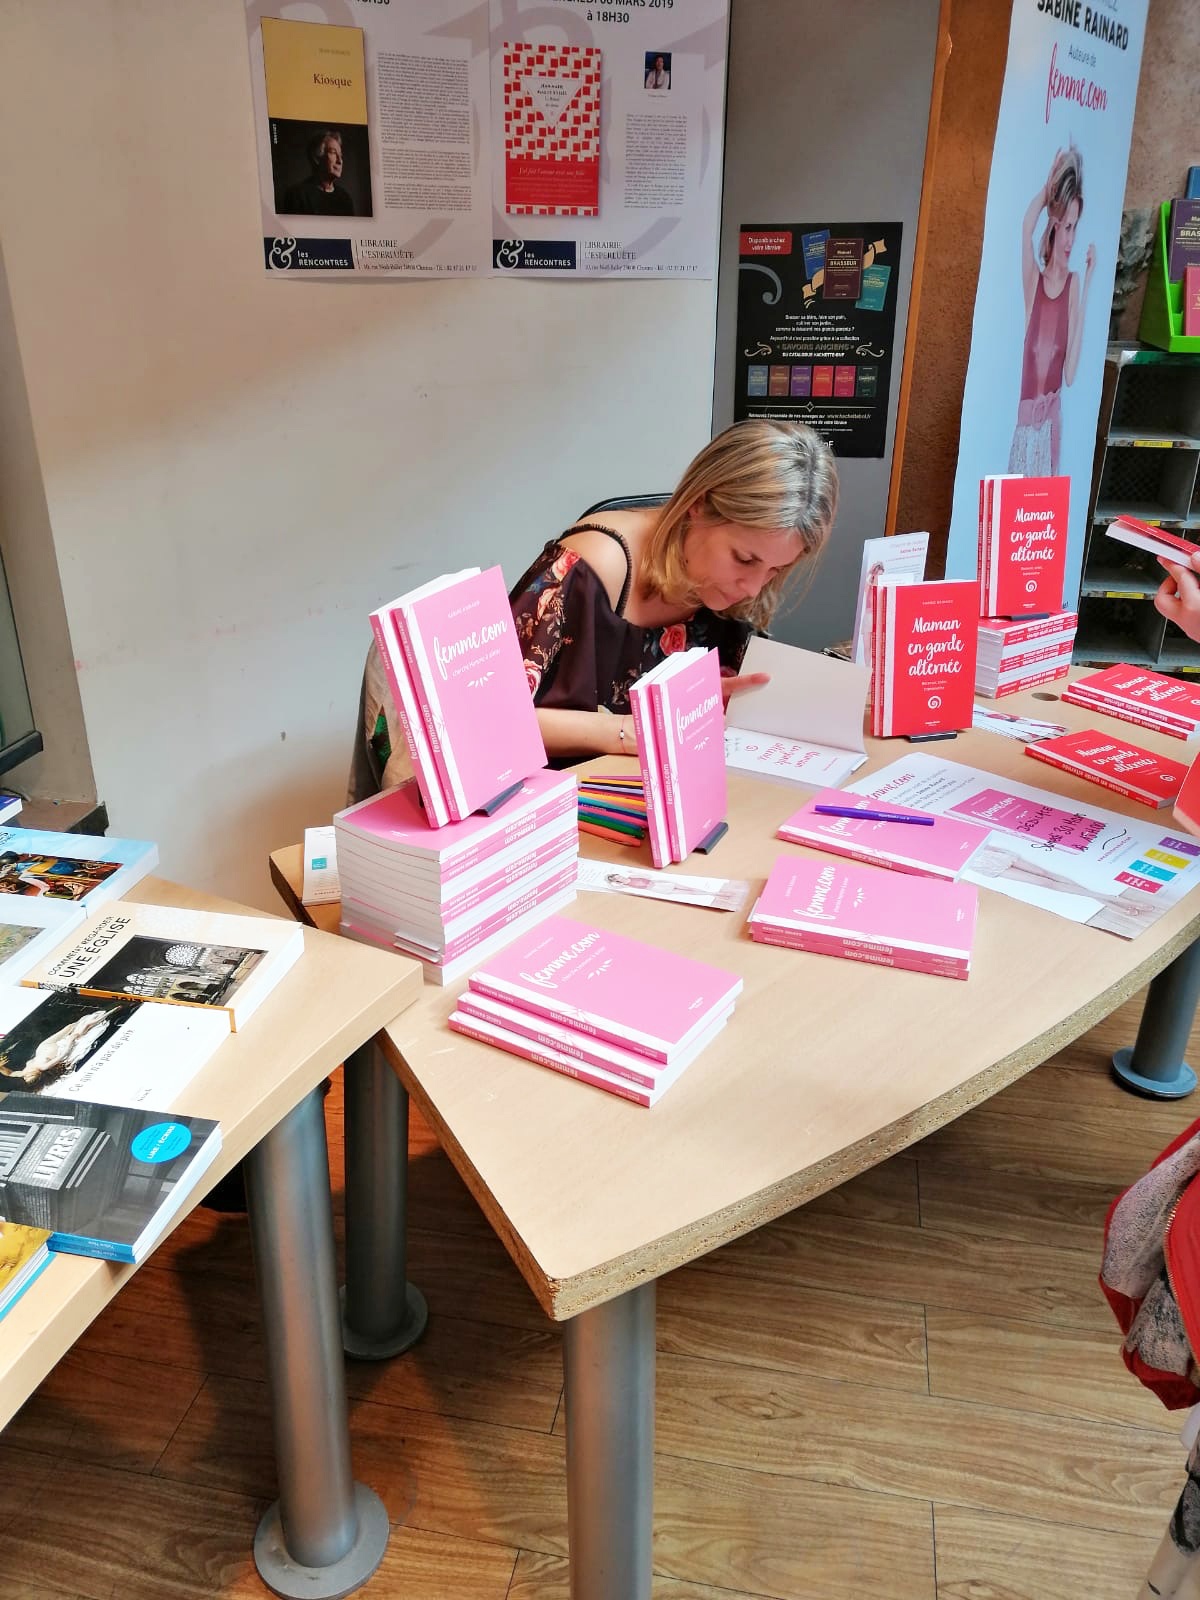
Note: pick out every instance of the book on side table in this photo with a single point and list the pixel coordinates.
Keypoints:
(102, 1180)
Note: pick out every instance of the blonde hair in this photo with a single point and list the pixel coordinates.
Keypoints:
(776, 476)
(1066, 184)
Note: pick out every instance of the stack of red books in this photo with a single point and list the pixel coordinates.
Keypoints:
(1135, 694)
(1015, 655)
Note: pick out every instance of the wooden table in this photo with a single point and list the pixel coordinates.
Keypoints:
(826, 1068)
(326, 1534)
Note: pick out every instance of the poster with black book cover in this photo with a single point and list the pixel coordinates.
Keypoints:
(104, 1180)
(816, 323)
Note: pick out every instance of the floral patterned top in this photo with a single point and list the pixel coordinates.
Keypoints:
(581, 653)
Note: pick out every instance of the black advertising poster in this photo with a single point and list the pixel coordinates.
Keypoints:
(816, 321)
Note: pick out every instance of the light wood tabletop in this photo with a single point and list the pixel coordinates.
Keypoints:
(331, 1001)
(827, 1066)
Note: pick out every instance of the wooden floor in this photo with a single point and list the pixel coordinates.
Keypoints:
(910, 1389)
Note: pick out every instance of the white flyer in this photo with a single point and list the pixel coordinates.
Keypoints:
(1077, 860)
(1025, 730)
(900, 558)
(718, 894)
(321, 886)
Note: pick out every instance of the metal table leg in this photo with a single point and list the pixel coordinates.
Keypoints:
(608, 1363)
(1155, 1065)
(326, 1534)
(382, 1313)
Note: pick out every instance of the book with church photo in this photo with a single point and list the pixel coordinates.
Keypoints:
(217, 960)
(102, 1180)
(71, 868)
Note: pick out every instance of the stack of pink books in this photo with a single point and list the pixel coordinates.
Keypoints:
(613, 1012)
(1134, 694)
(680, 722)
(1022, 545)
(451, 896)
(1112, 763)
(452, 659)
(939, 848)
(831, 909)
(1016, 655)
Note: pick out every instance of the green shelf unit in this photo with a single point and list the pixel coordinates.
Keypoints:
(1161, 321)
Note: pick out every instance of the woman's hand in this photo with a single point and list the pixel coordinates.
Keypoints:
(748, 680)
(1090, 260)
(1178, 597)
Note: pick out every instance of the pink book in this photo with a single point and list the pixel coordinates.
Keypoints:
(833, 900)
(472, 929)
(1141, 689)
(928, 644)
(414, 901)
(651, 765)
(404, 696)
(1124, 768)
(470, 679)
(583, 1046)
(393, 822)
(449, 971)
(877, 955)
(694, 748)
(666, 772)
(941, 851)
(1143, 719)
(633, 994)
(558, 1061)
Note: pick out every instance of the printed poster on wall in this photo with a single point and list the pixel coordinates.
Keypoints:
(816, 323)
(458, 137)
(606, 136)
(371, 125)
(1051, 230)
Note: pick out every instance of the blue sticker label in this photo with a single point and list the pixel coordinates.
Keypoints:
(320, 863)
(1149, 870)
(161, 1141)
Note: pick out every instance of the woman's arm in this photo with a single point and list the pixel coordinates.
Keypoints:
(1029, 266)
(586, 733)
(1076, 312)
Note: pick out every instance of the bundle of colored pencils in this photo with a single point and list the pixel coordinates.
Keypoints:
(613, 807)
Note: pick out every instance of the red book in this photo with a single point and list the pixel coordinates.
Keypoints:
(1139, 689)
(1145, 536)
(1124, 768)
(1016, 685)
(1142, 719)
(925, 635)
(1187, 801)
(1001, 634)
(1024, 546)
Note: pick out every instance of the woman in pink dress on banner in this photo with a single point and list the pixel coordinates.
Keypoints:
(1055, 308)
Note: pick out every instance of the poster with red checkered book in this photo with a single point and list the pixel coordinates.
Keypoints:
(551, 130)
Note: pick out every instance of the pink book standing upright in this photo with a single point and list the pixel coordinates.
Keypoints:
(692, 746)
(408, 709)
(650, 763)
(466, 663)
(637, 995)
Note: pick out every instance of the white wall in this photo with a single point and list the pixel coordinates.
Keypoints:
(236, 468)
